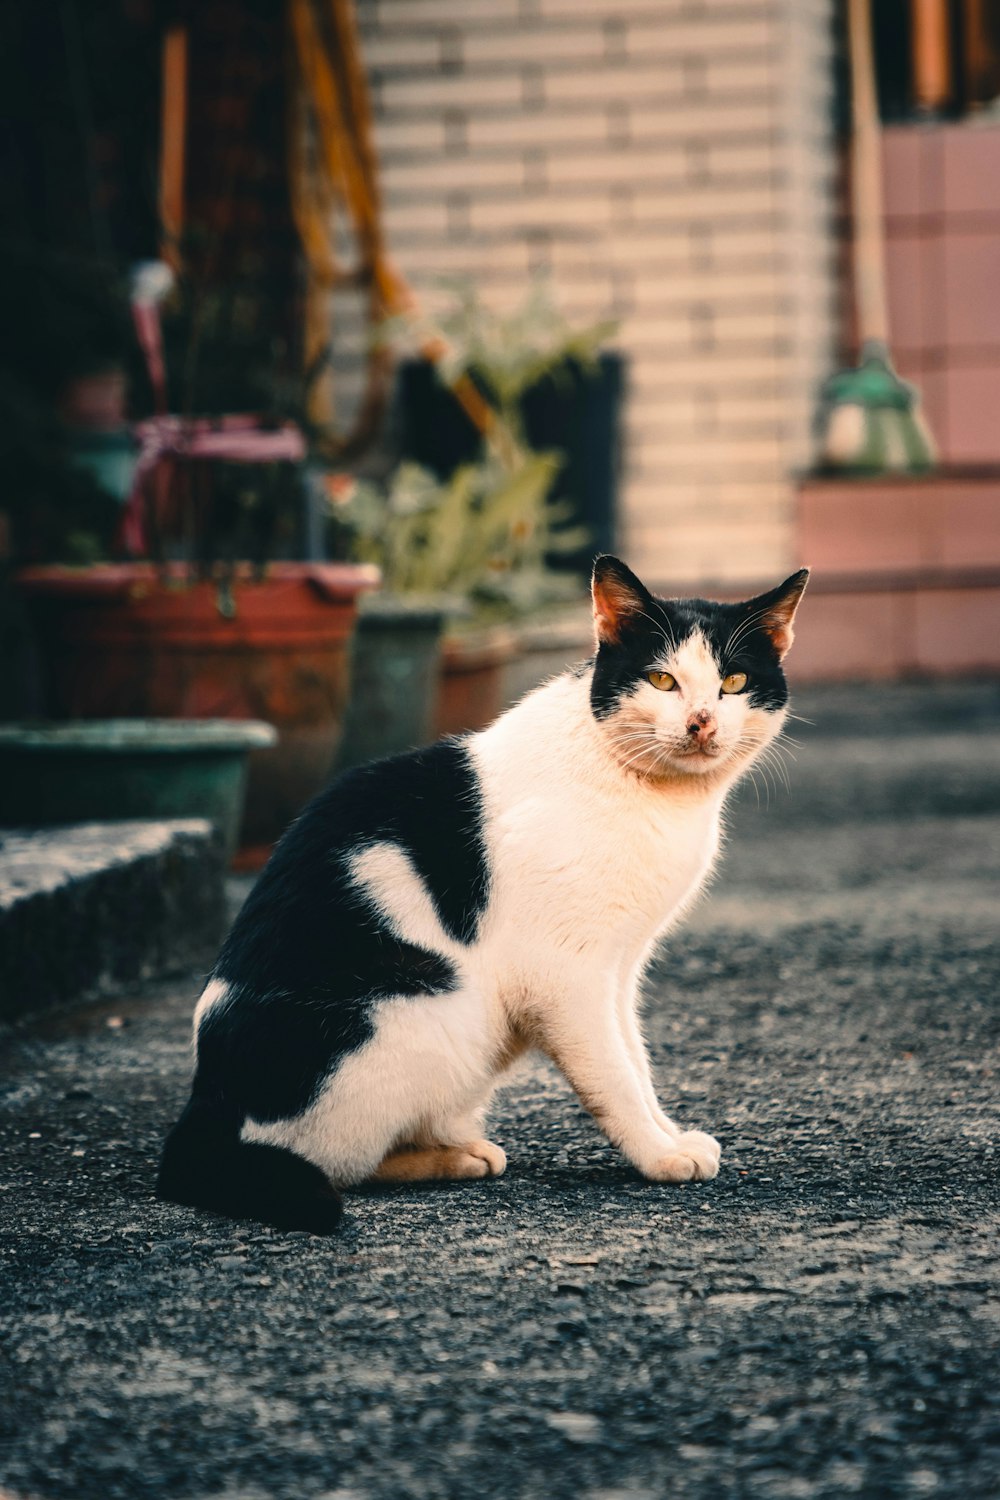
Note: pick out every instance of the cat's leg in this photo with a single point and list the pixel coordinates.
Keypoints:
(627, 1012)
(628, 1021)
(581, 1032)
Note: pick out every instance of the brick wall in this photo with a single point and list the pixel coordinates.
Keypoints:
(668, 163)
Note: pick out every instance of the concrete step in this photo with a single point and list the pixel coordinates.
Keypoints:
(89, 909)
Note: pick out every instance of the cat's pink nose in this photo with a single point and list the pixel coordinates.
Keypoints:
(701, 726)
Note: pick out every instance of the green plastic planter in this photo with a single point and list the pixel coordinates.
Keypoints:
(100, 770)
(396, 667)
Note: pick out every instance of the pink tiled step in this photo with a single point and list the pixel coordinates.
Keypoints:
(906, 577)
(881, 633)
(879, 525)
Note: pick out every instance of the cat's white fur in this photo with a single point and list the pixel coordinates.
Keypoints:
(600, 836)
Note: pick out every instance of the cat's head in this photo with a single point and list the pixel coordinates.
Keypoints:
(687, 687)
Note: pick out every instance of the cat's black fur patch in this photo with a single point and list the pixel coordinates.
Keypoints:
(206, 1165)
(733, 633)
(308, 956)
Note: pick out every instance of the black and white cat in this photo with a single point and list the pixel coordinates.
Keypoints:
(430, 917)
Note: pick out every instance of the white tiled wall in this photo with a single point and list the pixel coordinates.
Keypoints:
(669, 162)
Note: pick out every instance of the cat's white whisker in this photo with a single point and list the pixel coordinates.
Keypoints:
(667, 635)
(776, 768)
(742, 629)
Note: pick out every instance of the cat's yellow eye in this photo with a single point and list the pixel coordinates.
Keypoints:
(662, 680)
(734, 683)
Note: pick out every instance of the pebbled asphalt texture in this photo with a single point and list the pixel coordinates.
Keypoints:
(821, 1321)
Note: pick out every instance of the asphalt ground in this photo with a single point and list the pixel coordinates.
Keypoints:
(820, 1321)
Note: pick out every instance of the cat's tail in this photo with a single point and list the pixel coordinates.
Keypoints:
(206, 1165)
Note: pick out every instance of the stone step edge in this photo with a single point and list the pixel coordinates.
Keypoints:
(91, 909)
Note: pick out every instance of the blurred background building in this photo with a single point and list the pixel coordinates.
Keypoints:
(681, 167)
(668, 165)
(675, 166)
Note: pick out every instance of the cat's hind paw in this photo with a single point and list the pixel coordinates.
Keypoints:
(494, 1157)
(442, 1163)
(694, 1157)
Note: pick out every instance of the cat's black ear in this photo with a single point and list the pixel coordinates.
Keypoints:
(774, 612)
(619, 598)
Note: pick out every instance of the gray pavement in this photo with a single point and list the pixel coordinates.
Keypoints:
(821, 1321)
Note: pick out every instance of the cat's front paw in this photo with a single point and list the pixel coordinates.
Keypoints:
(693, 1157)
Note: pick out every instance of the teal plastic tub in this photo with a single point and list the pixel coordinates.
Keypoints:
(102, 770)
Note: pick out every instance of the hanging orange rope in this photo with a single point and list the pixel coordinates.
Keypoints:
(334, 166)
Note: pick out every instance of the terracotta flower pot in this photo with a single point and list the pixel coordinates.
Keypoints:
(546, 647)
(472, 678)
(116, 641)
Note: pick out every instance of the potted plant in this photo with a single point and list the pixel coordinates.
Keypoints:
(553, 383)
(195, 606)
(468, 552)
(502, 385)
(130, 640)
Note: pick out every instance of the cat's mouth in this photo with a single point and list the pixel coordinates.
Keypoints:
(657, 758)
(698, 757)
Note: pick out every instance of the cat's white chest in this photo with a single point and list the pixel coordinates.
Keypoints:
(667, 853)
(582, 861)
(613, 872)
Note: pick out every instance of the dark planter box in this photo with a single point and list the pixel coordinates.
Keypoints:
(576, 411)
